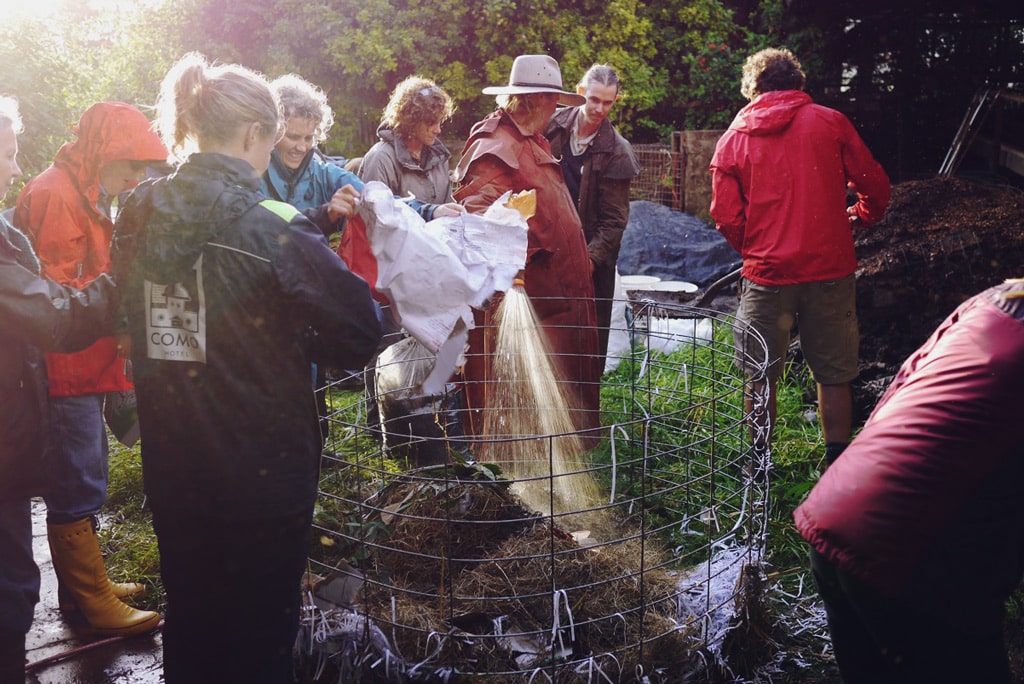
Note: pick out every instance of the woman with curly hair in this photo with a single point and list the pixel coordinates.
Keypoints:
(409, 157)
(299, 173)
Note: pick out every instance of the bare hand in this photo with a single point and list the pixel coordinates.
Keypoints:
(343, 203)
(449, 209)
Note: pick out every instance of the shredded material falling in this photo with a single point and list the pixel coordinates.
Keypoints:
(528, 422)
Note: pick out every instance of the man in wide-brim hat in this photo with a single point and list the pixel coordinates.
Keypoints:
(507, 151)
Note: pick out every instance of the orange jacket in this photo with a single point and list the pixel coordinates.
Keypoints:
(57, 211)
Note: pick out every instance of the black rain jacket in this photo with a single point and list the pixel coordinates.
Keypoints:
(36, 315)
(221, 289)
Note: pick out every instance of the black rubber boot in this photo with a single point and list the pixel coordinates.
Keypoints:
(12, 657)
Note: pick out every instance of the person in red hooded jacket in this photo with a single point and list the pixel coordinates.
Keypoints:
(66, 212)
(779, 180)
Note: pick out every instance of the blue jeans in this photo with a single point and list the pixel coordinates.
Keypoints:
(78, 454)
(19, 574)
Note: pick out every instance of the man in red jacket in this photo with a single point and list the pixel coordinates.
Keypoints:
(779, 181)
(66, 212)
(917, 531)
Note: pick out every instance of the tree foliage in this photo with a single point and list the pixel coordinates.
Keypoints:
(48, 84)
(886, 64)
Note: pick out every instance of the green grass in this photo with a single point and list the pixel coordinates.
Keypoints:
(797, 462)
(126, 531)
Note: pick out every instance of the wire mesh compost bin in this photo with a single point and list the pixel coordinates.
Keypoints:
(627, 555)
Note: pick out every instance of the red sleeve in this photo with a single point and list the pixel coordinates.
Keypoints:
(728, 207)
(354, 249)
(867, 175)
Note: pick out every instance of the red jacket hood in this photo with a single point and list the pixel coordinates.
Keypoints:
(770, 112)
(108, 132)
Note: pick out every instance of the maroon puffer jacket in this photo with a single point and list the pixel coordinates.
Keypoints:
(927, 502)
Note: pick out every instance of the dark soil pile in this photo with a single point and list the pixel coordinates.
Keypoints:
(941, 241)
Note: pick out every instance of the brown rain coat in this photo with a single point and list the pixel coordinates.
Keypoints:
(499, 157)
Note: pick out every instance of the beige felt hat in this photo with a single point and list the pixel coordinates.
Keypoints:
(536, 74)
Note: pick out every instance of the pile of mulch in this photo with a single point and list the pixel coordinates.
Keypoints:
(613, 607)
(427, 515)
(941, 241)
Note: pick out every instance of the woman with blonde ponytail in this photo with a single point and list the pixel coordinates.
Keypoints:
(221, 288)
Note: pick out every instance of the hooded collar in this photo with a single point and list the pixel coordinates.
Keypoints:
(604, 139)
(202, 198)
(432, 155)
(289, 176)
(770, 112)
(108, 132)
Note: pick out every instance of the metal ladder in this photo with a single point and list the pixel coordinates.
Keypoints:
(978, 110)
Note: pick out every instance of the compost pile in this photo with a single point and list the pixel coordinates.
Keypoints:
(941, 241)
(461, 579)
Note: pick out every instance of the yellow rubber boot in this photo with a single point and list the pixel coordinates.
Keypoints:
(79, 565)
(122, 590)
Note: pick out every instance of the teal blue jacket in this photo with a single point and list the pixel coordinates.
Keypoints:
(310, 187)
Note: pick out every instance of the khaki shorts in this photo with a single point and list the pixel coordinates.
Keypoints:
(825, 313)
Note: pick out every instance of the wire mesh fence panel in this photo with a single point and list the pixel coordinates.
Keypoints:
(614, 553)
(656, 182)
